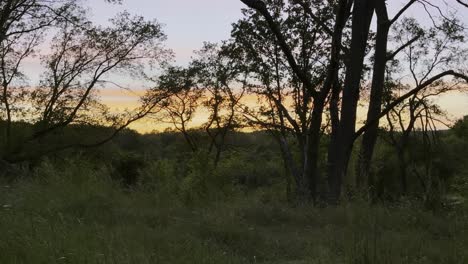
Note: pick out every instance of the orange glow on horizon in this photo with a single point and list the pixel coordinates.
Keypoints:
(455, 103)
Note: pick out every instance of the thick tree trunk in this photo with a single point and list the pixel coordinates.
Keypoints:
(338, 162)
(311, 167)
(303, 192)
(375, 103)
(335, 124)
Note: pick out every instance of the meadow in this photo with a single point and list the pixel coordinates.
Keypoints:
(78, 207)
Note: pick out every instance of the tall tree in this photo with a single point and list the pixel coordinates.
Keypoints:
(381, 57)
(362, 15)
(344, 127)
(421, 53)
(293, 65)
(82, 56)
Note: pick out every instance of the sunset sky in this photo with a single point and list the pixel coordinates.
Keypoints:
(188, 23)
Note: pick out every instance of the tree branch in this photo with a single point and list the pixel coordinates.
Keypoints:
(403, 10)
(260, 7)
(411, 41)
(462, 3)
(406, 96)
(308, 10)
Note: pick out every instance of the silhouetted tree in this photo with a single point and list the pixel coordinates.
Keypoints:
(82, 56)
(295, 62)
(223, 81)
(343, 128)
(179, 108)
(422, 53)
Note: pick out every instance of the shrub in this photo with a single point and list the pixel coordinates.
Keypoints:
(251, 172)
(202, 182)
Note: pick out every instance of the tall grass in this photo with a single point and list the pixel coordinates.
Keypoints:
(74, 212)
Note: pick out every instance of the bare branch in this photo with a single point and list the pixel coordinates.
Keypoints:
(408, 95)
(404, 46)
(462, 3)
(403, 10)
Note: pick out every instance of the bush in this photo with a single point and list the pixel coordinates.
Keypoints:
(127, 169)
(202, 182)
(251, 172)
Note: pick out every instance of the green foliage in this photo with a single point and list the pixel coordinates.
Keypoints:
(460, 128)
(201, 183)
(243, 169)
(160, 175)
(72, 212)
(183, 209)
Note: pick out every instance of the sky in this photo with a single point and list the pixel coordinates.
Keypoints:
(189, 23)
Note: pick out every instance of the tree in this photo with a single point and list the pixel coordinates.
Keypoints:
(82, 57)
(381, 57)
(422, 53)
(13, 51)
(341, 147)
(19, 17)
(22, 26)
(287, 55)
(179, 108)
(344, 128)
(223, 82)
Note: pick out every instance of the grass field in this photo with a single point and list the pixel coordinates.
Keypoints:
(74, 213)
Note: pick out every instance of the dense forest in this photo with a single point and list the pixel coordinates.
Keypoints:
(322, 140)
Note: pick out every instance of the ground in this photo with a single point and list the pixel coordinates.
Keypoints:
(61, 216)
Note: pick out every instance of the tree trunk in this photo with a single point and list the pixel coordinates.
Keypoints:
(8, 126)
(375, 103)
(338, 162)
(289, 163)
(335, 123)
(313, 144)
